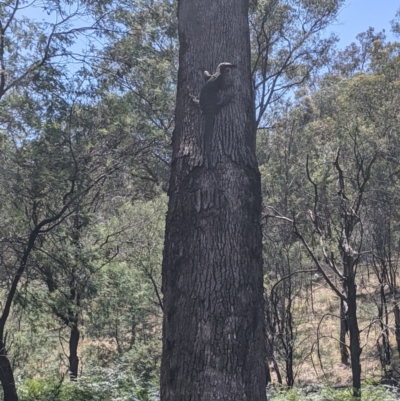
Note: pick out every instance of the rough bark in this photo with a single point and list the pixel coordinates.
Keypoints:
(213, 331)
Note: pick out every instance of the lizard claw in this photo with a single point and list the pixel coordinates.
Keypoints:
(195, 100)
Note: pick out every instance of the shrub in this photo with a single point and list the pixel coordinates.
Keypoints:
(111, 384)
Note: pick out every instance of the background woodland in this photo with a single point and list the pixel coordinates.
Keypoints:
(87, 101)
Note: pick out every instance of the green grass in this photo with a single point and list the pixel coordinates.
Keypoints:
(106, 385)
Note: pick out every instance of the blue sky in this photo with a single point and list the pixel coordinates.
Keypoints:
(357, 16)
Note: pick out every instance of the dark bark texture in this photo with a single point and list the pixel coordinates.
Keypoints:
(213, 332)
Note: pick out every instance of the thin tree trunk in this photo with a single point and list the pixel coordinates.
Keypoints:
(396, 311)
(213, 331)
(277, 371)
(267, 374)
(289, 337)
(74, 299)
(355, 348)
(344, 353)
(385, 279)
(7, 376)
(350, 291)
(73, 351)
(271, 315)
(383, 340)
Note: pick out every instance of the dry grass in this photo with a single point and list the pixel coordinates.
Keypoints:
(317, 338)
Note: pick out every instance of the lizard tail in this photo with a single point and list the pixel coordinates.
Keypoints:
(208, 138)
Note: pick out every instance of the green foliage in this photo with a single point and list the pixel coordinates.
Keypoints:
(119, 314)
(137, 69)
(40, 389)
(288, 46)
(127, 313)
(34, 51)
(112, 384)
(357, 113)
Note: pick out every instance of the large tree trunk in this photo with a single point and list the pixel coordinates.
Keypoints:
(6, 376)
(213, 332)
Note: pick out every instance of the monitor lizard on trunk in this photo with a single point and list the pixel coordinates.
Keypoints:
(211, 101)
